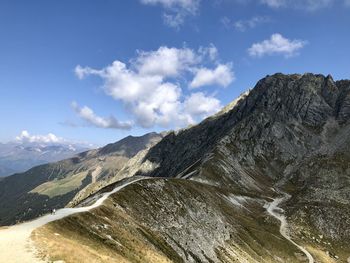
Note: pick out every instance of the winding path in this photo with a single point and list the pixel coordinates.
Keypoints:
(272, 209)
(15, 243)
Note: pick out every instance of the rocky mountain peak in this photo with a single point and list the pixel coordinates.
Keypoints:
(276, 112)
(309, 98)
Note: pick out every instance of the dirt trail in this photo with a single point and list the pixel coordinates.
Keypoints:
(15, 243)
(96, 173)
(277, 213)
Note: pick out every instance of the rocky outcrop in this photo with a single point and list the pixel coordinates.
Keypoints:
(278, 123)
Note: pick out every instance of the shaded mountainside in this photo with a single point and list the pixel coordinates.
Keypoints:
(4, 171)
(130, 145)
(27, 195)
(281, 118)
(289, 134)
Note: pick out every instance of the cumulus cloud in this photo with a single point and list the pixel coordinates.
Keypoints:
(200, 104)
(277, 45)
(150, 85)
(222, 75)
(211, 52)
(176, 11)
(165, 62)
(310, 5)
(81, 72)
(244, 25)
(49, 138)
(91, 118)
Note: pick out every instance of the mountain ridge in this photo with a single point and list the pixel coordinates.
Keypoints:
(288, 134)
(209, 186)
(24, 196)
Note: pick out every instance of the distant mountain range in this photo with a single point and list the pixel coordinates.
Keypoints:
(18, 157)
(27, 195)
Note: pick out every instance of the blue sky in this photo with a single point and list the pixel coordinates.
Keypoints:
(97, 71)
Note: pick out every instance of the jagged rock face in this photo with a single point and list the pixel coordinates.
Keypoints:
(27, 195)
(279, 122)
(290, 131)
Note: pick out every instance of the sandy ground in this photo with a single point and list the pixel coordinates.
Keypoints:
(15, 243)
(272, 209)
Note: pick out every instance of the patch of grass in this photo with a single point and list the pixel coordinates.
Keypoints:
(60, 186)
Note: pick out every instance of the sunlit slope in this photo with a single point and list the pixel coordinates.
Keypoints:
(27, 195)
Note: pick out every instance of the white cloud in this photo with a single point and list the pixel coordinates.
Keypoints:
(81, 72)
(92, 119)
(150, 86)
(226, 22)
(310, 5)
(49, 138)
(347, 3)
(190, 5)
(166, 62)
(200, 104)
(176, 11)
(222, 75)
(274, 3)
(244, 25)
(278, 45)
(211, 52)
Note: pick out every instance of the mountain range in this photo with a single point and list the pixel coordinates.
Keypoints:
(267, 179)
(24, 196)
(18, 156)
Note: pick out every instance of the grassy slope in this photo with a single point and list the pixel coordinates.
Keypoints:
(160, 220)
